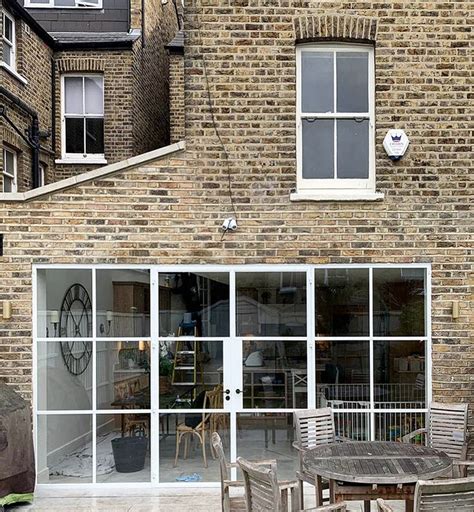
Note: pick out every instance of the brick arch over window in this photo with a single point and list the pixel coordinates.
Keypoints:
(334, 27)
(67, 65)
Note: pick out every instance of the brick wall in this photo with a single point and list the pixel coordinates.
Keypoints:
(33, 64)
(177, 106)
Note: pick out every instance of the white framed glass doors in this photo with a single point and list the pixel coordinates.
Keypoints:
(135, 366)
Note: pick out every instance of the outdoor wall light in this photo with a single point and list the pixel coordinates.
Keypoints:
(109, 317)
(55, 321)
(7, 310)
(455, 310)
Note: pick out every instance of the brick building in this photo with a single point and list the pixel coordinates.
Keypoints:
(123, 79)
(348, 281)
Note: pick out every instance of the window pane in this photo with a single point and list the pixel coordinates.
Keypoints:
(352, 148)
(400, 374)
(73, 95)
(317, 81)
(342, 302)
(191, 374)
(8, 29)
(7, 184)
(399, 302)
(352, 425)
(342, 374)
(318, 149)
(64, 3)
(75, 135)
(194, 304)
(94, 95)
(123, 303)
(95, 136)
(274, 374)
(271, 304)
(9, 162)
(393, 425)
(352, 81)
(7, 54)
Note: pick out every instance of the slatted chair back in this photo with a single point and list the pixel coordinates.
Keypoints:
(447, 428)
(315, 427)
(262, 492)
(219, 451)
(445, 495)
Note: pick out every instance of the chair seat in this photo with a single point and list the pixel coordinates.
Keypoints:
(237, 504)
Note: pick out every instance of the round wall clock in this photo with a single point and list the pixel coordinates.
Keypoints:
(75, 321)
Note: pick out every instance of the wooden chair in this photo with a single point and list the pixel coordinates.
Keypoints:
(440, 496)
(447, 431)
(313, 428)
(263, 492)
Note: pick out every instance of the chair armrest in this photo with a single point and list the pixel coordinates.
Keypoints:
(463, 462)
(342, 439)
(336, 507)
(287, 484)
(408, 437)
(297, 446)
(233, 483)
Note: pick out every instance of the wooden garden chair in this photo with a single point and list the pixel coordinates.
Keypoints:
(456, 495)
(447, 431)
(263, 492)
(314, 427)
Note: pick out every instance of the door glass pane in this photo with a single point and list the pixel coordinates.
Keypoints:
(274, 374)
(64, 449)
(123, 303)
(95, 136)
(94, 95)
(317, 78)
(400, 374)
(74, 135)
(392, 426)
(191, 374)
(73, 95)
(123, 448)
(342, 374)
(271, 303)
(318, 149)
(123, 375)
(264, 436)
(342, 302)
(352, 149)
(352, 81)
(352, 425)
(194, 304)
(399, 302)
(58, 387)
(183, 454)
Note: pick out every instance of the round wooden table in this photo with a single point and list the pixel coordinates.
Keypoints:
(387, 469)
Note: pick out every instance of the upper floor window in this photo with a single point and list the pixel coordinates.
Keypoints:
(335, 102)
(9, 171)
(83, 117)
(65, 4)
(8, 40)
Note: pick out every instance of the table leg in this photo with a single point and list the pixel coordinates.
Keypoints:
(319, 491)
(331, 492)
(366, 506)
(409, 505)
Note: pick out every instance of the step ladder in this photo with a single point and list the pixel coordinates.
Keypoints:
(187, 365)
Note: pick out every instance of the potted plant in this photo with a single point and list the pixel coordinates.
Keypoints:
(166, 369)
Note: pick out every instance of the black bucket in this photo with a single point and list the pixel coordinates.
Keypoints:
(129, 453)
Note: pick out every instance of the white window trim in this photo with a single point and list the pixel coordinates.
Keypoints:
(11, 44)
(335, 189)
(14, 176)
(49, 4)
(79, 158)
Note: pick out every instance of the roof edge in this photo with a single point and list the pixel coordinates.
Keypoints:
(101, 172)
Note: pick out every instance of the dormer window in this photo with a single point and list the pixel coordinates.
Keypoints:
(64, 4)
(336, 122)
(8, 41)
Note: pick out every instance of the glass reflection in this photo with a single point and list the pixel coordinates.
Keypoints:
(271, 304)
(274, 374)
(392, 426)
(194, 304)
(400, 373)
(191, 374)
(342, 302)
(399, 300)
(123, 303)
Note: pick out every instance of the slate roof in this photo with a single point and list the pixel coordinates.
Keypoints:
(95, 39)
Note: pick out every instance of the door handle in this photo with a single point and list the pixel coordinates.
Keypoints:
(238, 391)
(227, 391)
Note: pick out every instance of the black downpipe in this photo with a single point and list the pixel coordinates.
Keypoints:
(53, 106)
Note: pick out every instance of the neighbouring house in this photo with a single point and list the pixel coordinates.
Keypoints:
(76, 95)
(344, 277)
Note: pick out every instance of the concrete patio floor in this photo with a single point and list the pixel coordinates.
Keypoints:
(163, 500)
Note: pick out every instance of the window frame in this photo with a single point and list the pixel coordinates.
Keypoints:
(340, 185)
(49, 4)
(80, 157)
(12, 43)
(14, 176)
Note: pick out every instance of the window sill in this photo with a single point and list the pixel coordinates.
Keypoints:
(336, 195)
(13, 73)
(78, 7)
(83, 161)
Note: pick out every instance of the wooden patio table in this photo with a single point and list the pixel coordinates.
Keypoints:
(367, 470)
